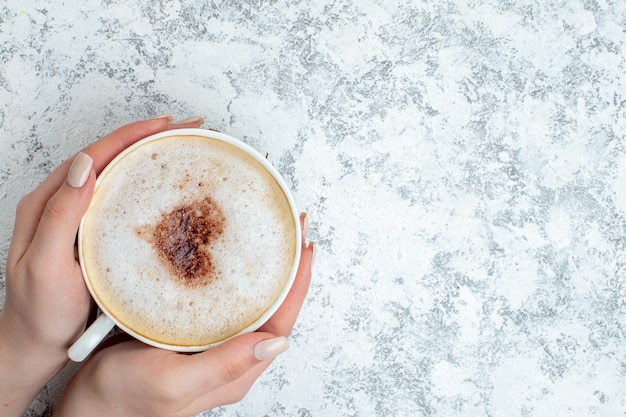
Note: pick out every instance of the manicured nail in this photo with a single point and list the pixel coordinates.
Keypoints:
(189, 120)
(313, 247)
(162, 116)
(270, 348)
(80, 170)
(304, 219)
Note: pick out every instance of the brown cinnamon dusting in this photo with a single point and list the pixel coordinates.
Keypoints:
(182, 239)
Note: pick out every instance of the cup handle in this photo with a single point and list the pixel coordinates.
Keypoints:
(90, 338)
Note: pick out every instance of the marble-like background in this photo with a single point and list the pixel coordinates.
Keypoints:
(463, 163)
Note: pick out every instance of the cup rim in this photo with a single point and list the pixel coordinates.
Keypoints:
(294, 214)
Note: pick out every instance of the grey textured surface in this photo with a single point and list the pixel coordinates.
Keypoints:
(463, 164)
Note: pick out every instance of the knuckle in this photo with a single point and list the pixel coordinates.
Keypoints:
(54, 211)
(166, 392)
(38, 269)
(27, 204)
(231, 370)
(165, 388)
(34, 268)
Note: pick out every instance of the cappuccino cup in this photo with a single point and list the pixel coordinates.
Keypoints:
(191, 238)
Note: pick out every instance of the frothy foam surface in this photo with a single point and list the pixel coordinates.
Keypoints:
(250, 258)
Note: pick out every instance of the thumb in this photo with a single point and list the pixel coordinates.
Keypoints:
(229, 361)
(59, 221)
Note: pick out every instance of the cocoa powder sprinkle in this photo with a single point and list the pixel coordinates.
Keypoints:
(182, 239)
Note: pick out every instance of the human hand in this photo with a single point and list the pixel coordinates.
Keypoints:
(134, 379)
(47, 303)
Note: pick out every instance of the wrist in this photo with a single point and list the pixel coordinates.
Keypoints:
(25, 367)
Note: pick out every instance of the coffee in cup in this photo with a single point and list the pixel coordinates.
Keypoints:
(191, 238)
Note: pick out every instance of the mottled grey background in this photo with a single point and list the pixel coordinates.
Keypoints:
(463, 164)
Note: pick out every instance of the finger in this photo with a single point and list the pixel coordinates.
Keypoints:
(231, 393)
(282, 322)
(107, 148)
(189, 122)
(56, 232)
(229, 361)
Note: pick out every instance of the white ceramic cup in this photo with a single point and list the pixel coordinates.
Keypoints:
(108, 319)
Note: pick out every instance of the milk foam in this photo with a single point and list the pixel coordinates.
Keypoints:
(252, 259)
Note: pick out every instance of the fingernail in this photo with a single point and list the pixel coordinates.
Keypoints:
(80, 170)
(313, 247)
(270, 348)
(304, 218)
(162, 116)
(189, 120)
